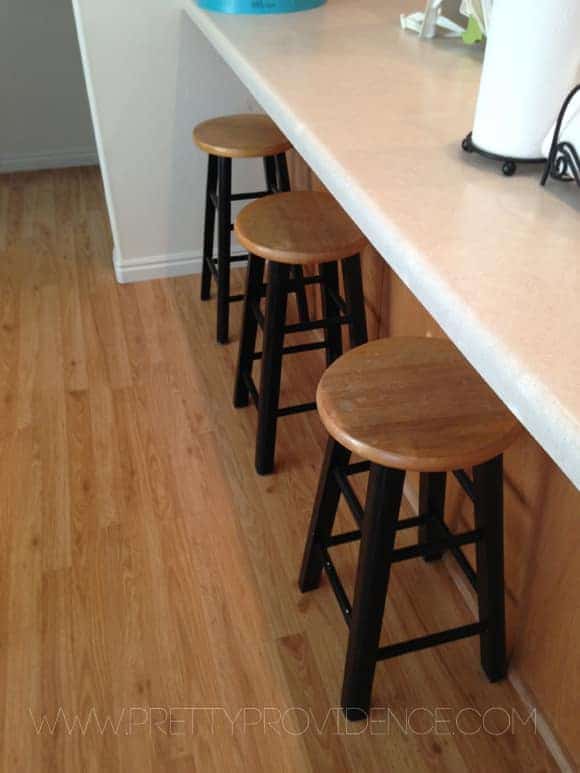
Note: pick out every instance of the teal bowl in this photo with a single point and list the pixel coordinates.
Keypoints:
(259, 6)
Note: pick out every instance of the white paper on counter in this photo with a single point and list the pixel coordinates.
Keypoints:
(532, 62)
(426, 22)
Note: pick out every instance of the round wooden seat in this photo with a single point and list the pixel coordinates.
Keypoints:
(299, 228)
(413, 404)
(240, 136)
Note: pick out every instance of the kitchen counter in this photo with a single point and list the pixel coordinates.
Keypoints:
(379, 116)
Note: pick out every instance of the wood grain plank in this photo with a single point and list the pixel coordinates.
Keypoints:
(146, 568)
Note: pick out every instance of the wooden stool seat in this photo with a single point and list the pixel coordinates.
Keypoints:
(304, 227)
(413, 404)
(240, 136)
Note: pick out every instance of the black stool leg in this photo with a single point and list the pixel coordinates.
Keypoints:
(432, 503)
(301, 300)
(224, 247)
(283, 184)
(209, 226)
(283, 177)
(270, 174)
(323, 515)
(254, 279)
(355, 300)
(384, 493)
(330, 308)
(488, 490)
(274, 322)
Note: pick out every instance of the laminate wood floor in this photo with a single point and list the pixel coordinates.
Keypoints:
(149, 612)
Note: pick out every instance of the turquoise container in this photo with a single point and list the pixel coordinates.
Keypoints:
(259, 6)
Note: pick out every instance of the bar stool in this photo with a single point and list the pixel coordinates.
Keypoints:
(303, 228)
(408, 404)
(223, 139)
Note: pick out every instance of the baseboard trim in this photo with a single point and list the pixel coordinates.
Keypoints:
(50, 159)
(158, 266)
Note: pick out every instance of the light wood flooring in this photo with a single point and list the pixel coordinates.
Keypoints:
(148, 575)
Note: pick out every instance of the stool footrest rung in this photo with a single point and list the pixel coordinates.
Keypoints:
(465, 482)
(316, 279)
(355, 507)
(432, 640)
(252, 389)
(336, 585)
(249, 195)
(239, 197)
(289, 411)
(351, 498)
(356, 468)
(292, 409)
(301, 327)
(427, 548)
(294, 285)
(401, 648)
(458, 554)
(258, 314)
(236, 258)
(413, 551)
(344, 538)
(295, 349)
(212, 265)
(409, 523)
(236, 298)
(340, 302)
(318, 324)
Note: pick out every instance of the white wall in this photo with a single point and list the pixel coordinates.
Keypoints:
(151, 76)
(44, 112)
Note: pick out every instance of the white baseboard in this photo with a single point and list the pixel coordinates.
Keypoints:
(50, 159)
(158, 266)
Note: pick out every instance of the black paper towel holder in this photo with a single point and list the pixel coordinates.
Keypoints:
(509, 163)
(563, 162)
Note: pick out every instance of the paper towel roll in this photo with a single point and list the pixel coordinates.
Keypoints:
(531, 63)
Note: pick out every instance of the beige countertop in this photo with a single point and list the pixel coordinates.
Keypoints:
(379, 115)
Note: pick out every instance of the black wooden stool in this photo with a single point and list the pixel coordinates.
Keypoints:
(306, 228)
(225, 138)
(409, 404)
